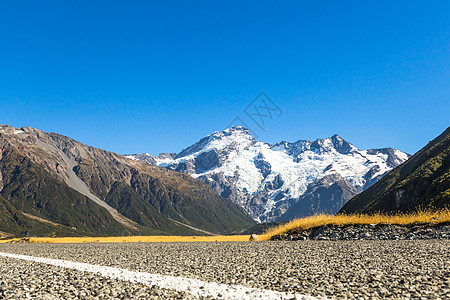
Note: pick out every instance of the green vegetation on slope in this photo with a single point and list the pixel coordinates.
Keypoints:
(29, 188)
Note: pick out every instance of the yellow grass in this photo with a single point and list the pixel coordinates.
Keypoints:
(319, 220)
(304, 223)
(133, 239)
(41, 220)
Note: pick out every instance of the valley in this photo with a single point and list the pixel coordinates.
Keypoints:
(247, 150)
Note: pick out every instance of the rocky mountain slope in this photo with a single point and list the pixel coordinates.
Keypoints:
(423, 182)
(50, 183)
(281, 181)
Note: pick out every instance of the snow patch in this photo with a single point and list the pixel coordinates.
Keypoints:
(401, 155)
(131, 157)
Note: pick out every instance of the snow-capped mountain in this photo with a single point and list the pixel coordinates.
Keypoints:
(281, 181)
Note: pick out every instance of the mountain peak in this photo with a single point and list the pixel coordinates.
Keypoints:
(236, 135)
(341, 145)
(267, 179)
(236, 130)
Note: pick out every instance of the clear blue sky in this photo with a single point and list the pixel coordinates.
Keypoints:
(142, 76)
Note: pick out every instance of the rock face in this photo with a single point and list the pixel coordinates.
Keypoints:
(326, 195)
(423, 182)
(281, 181)
(253, 238)
(54, 184)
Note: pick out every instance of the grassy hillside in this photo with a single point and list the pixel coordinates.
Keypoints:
(422, 182)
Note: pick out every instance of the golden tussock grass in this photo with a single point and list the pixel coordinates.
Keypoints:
(131, 239)
(433, 217)
(440, 216)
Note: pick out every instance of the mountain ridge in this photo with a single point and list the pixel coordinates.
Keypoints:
(267, 179)
(129, 197)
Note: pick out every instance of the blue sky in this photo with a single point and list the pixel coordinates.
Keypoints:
(142, 76)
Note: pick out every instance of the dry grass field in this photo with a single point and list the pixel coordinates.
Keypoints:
(400, 219)
(304, 223)
(131, 239)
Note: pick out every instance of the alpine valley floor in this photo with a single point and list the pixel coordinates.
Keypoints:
(335, 269)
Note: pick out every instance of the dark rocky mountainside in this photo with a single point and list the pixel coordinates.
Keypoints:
(326, 195)
(51, 184)
(423, 182)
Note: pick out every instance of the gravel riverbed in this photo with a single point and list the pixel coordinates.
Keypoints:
(335, 269)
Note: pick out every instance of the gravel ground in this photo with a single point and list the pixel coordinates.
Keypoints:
(417, 231)
(24, 280)
(335, 269)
